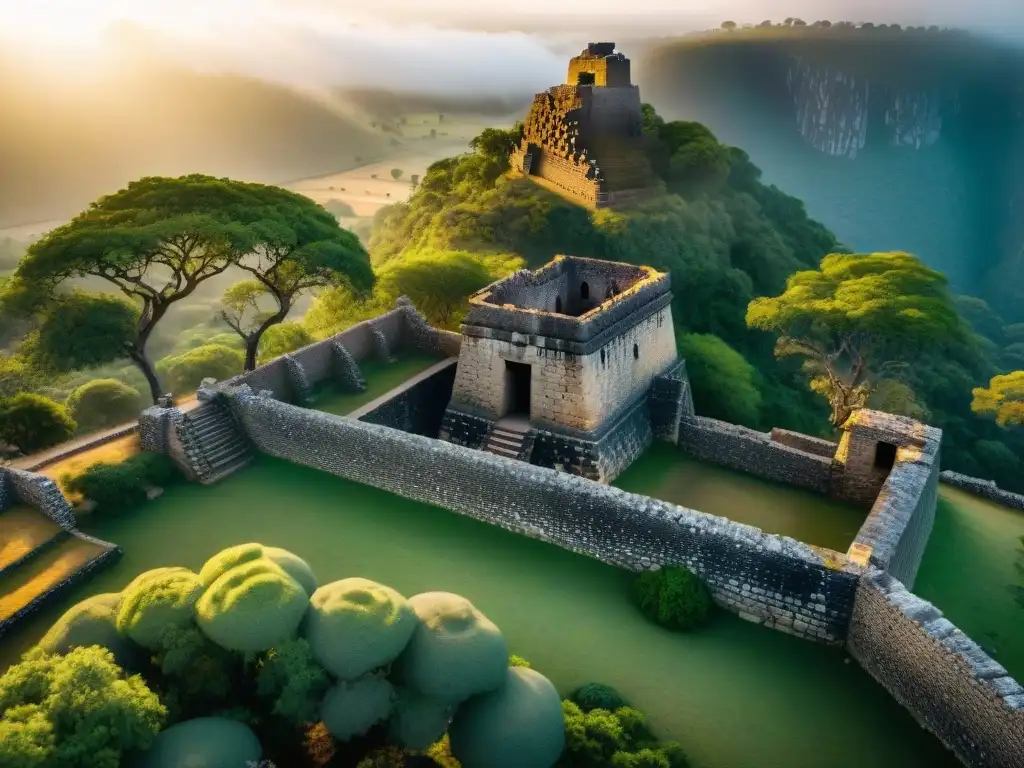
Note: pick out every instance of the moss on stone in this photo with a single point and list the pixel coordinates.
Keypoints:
(356, 625)
(351, 708)
(156, 600)
(518, 725)
(252, 607)
(205, 742)
(455, 652)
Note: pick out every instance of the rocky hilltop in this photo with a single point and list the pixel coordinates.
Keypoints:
(895, 138)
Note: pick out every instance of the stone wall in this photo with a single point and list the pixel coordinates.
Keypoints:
(669, 401)
(578, 392)
(770, 579)
(753, 452)
(939, 674)
(900, 522)
(40, 492)
(806, 443)
(985, 488)
(603, 459)
(419, 404)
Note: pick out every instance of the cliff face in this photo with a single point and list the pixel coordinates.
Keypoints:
(909, 142)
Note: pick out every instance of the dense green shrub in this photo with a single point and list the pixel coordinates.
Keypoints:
(419, 721)
(722, 381)
(155, 601)
(184, 372)
(104, 403)
(356, 625)
(206, 742)
(228, 558)
(78, 710)
(93, 621)
(118, 488)
(290, 676)
(33, 422)
(351, 708)
(673, 597)
(455, 651)
(282, 338)
(294, 566)
(518, 724)
(601, 738)
(252, 607)
(597, 696)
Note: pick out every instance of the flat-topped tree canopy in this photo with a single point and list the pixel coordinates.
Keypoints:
(570, 297)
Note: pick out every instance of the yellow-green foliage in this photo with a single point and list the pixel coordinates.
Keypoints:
(205, 742)
(234, 556)
(252, 607)
(455, 652)
(1004, 398)
(356, 625)
(419, 721)
(92, 622)
(229, 558)
(518, 725)
(352, 708)
(156, 600)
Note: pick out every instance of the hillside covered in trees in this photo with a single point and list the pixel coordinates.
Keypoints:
(897, 138)
(725, 237)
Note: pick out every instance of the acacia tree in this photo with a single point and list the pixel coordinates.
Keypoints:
(297, 246)
(1003, 398)
(854, 321)
(156, 241)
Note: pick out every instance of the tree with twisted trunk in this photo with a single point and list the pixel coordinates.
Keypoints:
(857, 321)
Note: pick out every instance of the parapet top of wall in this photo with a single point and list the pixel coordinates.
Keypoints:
(494, 306)
(900, 431)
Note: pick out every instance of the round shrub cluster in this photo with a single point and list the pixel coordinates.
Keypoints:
(92, 622)
(356, 625)
(353, 654)
(252, 607)
(674, 597)
(155, 601)
(455, 652)
(205, 742)
(103, 403)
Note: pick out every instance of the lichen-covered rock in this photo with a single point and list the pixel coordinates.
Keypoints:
(92, 622)
(156, 600)
(419, 721)
(356, 625)
(518, 725)
(351, 708)
(252, 607)
(205, 742)
(294, 566)
(229, 558)
(455, 652)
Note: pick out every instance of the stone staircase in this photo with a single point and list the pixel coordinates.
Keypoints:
(223, 445)
(507, 438)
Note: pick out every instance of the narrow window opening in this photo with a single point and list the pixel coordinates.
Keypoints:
(558, 305)
(636, 351)
(885, 456)
(602, 357)
(584, 290)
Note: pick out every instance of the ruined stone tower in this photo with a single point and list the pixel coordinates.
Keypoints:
(567, 353)
(584, 139)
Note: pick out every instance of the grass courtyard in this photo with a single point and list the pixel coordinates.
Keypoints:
(665, 472)
(734, 694)
(381, 377)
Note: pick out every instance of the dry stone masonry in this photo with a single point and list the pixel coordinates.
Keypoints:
(583, 352)
(984, 488)
(583, 139)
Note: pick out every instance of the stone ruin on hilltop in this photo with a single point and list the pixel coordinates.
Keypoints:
(584, 139)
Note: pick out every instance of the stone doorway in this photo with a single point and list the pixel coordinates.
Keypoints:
(517, 389)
